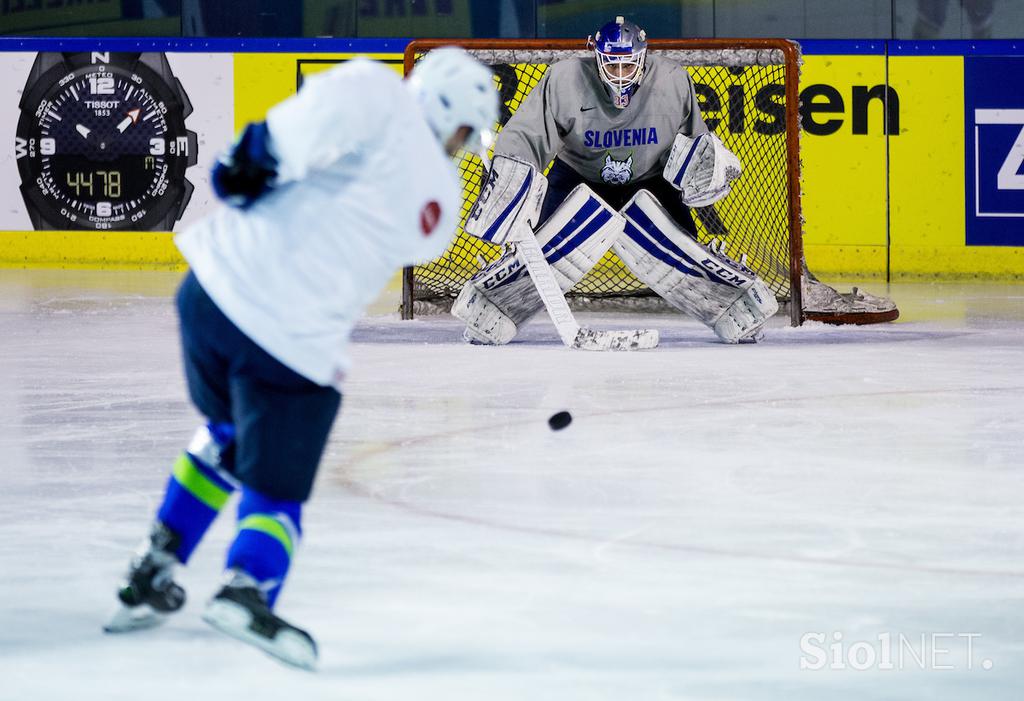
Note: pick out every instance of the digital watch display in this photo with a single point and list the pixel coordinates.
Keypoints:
(102, 142)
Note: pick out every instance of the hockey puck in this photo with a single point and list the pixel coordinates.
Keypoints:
(560, 420)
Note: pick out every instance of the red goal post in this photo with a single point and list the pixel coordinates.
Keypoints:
(748, 90)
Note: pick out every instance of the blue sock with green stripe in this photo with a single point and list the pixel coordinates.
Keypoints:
(268, 532)
(195, 495)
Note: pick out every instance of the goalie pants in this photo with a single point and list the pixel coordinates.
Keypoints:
(562, 179)
(281, 419)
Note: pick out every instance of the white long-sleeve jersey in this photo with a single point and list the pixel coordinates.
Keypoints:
(364, 188)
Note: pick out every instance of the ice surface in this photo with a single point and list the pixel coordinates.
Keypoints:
(708, 507)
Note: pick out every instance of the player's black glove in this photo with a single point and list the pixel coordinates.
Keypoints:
(248, 170)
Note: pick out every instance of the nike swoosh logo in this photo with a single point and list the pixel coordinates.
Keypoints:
(586, 109)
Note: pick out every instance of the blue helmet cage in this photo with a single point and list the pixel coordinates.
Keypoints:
(622, 44)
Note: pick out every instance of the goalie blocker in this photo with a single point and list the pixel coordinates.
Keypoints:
(513, 193)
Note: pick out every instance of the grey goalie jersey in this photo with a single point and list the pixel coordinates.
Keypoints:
(569, 114)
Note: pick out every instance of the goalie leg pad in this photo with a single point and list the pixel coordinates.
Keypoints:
(724, 295)
(486, 322)
(501, 298)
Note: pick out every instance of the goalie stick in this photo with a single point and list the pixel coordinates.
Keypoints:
(569, 330)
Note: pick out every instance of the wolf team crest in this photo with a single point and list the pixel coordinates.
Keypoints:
(617, 172)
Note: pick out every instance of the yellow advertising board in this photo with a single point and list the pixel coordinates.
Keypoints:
(263, 80)
(843, 149)
(884, 177)
(927, 178)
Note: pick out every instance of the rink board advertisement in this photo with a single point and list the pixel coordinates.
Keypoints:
(844, 164)
(886, 191)
(110, 149)
(913, 158)
(111, 141)
(994, 114)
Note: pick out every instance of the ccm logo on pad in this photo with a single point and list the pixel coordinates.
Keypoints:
(430, 215)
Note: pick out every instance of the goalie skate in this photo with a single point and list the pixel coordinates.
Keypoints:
(240, 610)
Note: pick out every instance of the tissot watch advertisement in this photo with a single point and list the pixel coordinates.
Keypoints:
(107, 140)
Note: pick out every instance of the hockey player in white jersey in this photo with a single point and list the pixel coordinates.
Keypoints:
(343, 184)
(625, 137)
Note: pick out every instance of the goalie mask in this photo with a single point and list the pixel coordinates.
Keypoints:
(621, 51)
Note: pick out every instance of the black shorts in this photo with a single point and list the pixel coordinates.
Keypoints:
(281, 419)
(562, 180)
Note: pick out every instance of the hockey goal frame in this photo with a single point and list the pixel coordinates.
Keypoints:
(791, 53)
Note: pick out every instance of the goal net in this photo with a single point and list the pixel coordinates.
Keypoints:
(747, 91)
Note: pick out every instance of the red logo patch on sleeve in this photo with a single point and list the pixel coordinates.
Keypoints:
(430, 215)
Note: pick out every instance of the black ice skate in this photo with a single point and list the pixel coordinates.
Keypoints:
(149, 592)
(240, 610)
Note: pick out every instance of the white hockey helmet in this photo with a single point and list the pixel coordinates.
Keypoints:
(456, 90)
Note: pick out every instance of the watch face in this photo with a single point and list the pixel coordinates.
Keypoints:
(102, 143)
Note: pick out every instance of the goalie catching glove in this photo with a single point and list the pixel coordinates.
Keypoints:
(701, 168)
